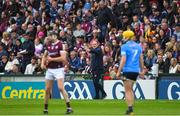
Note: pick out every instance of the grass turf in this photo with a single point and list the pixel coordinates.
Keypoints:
(89, 107)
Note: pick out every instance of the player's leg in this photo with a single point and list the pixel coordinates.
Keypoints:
(130, 78)
(65, 95)
(129, 95)
(59, 75)
(49, 84)
(48, 87)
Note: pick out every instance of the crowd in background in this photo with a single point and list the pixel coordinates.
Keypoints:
(24, 27)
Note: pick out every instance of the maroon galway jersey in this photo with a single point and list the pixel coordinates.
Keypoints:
(54, 51)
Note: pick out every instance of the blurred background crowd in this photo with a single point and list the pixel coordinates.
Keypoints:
(24, 26)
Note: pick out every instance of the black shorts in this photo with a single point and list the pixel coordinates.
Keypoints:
(130, 75)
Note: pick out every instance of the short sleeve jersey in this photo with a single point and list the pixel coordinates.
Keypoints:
(53, 50)
(132, 51)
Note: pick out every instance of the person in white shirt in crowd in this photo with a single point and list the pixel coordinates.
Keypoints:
(30, 68)
(174, 65)
(12, 61)
(38, 48)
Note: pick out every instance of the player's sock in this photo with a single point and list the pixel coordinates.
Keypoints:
(45, 109)
(68, 104)
(130, 108)
(46, 106)
(69, 109)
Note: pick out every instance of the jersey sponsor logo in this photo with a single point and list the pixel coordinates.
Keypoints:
(52, 53)
(173, 91)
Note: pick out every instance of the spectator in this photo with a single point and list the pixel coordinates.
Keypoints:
(27, 51)
(30, 68)
(83, 56)
(160, 62)
(116, 51)
(125, 22)
(87, 69)
(174, 65)
(127, 10)
(156, 16)
(68, 73)
(167, 63)
(79, 32)
(143, 12)
(3, 52)
(138, 31)
(170, 16)
(177, 31)
(44, 8)
(38, 70)
(6, 40)
(116, 12)
(22, 29)
(3, 63)
(136, 20)
(12, 61)
(74, 61)
(68, 7)
(149, 59)
(3, 22)
(17, 46)
(166, 29)
(104, 16)
(15, 70)
(114, 71)
(86, 25)
(38, 48)
(54, 11)
(45, 18)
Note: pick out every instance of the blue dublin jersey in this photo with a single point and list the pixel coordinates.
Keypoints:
(132, 51)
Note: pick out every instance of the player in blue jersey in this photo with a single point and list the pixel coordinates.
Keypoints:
(131, 65)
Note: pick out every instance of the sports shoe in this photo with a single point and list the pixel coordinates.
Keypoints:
(45, 112)
(131, 113)
(104, 96)
(69, 111)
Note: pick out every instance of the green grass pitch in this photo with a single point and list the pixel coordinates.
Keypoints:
(89, 107)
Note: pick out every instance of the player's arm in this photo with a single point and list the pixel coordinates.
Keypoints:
(62, 58)
(44, 59)
(122, 62)
(141, 60)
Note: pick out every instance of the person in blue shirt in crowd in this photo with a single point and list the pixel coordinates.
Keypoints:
(131, 65)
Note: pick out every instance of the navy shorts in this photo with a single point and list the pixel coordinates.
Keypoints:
(130, 75)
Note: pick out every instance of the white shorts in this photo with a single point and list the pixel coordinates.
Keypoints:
(52, 74)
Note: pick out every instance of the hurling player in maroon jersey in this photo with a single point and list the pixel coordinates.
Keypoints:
(53, 60)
